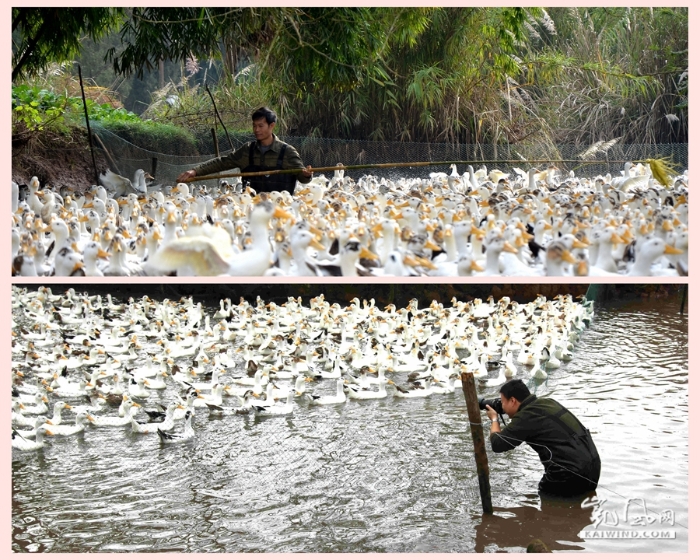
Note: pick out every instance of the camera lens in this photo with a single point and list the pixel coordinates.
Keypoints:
(493, 403)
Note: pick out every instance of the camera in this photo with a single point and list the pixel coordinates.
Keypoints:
(493, 403)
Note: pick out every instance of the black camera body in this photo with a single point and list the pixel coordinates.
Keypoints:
(493, 403)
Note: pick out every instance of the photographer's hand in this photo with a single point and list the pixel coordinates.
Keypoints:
(493, 416)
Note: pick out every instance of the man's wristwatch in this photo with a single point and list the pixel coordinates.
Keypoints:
(494, 420)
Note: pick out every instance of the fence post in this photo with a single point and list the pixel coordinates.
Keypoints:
(216, 142)
(477, 430)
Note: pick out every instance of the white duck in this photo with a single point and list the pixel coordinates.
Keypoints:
(158, 382)
(551, 360)
(208, 250)
(276, 409)
(365, 394)
(338, 398)
(58, 408)
(648, 252)
(186, 434)
(22, 444)
(139, 389)
(509, 367)
(557, 253)
(111, 421)
(495, 244)
(19, 419)
(152, 427)
(81, 421)
(40, 405)
(537, 372)
(443, 388)
(31, 434)
(121, 186)
(497, 381)
(215, 398)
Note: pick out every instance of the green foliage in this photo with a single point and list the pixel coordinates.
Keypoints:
(153, 34)
(106, 113)
(338, 48)
(49, 35)
(611, 73)
(178, 34)
(35, 108)
(391, 72)
(467, 74)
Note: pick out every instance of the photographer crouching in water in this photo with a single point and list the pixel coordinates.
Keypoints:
(565, 447)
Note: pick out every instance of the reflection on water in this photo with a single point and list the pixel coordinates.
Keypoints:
(557, 524)
(395, 475)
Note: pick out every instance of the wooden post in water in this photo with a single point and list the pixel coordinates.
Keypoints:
(684, 296)
(477, 429)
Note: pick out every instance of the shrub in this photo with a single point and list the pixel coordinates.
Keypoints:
(157, 137)
(35, 109)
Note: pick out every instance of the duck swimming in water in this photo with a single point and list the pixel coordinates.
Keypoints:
(338, 398)
(186, 435)
(22, 444)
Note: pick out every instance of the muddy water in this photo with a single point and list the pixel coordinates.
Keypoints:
(394, 475)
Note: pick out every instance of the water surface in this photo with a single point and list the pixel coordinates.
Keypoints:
(394, 475)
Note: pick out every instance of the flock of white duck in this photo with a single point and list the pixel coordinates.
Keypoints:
(476, 224)
(85, 362)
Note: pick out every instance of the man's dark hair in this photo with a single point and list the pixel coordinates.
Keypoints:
(515, 388)
(264, 113)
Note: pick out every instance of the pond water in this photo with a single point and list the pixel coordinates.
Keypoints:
(391, 475)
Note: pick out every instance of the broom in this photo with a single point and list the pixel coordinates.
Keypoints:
(661, 168)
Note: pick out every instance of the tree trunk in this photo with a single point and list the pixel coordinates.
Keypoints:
(229, 58)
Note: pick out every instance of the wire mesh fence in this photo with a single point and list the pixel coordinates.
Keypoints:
(165, 161)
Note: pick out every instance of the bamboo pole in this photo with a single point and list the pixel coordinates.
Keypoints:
(218, 115)
(402, 164)
(110, 160)
(482, 462)
(87, 124)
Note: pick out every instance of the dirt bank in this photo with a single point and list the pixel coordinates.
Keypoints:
(61, 160)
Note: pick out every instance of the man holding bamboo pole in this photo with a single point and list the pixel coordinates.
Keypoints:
(265, 153)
